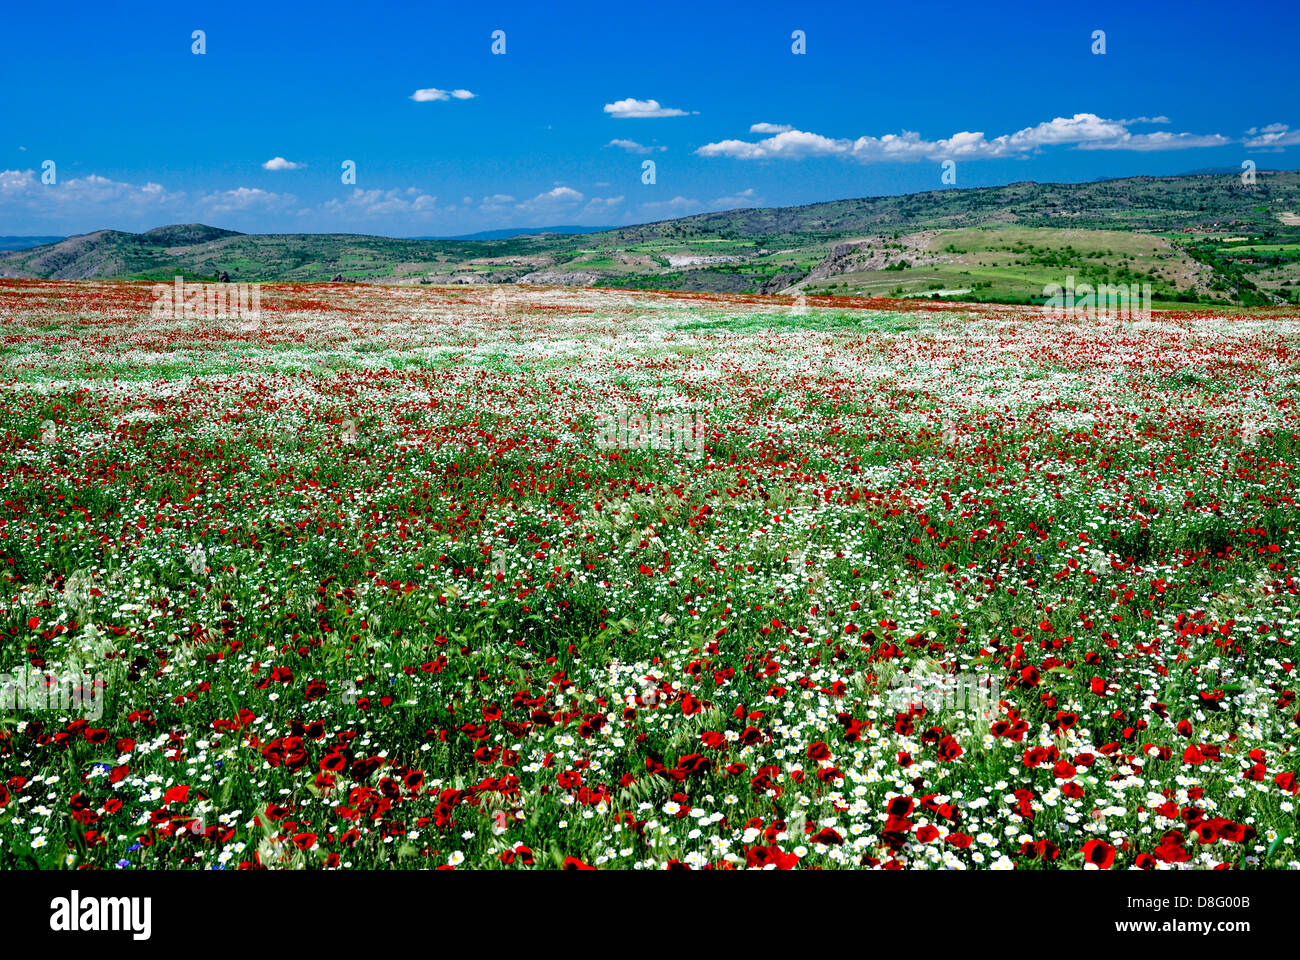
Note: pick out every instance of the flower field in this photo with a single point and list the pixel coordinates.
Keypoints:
(417, 577)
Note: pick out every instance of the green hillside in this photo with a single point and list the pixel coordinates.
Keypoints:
(1196, 239)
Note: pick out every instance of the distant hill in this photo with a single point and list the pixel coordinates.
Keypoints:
(917, 244)
(111, 253)
(185, 235)
(25, 243)
(1214, 171)
(164, 252)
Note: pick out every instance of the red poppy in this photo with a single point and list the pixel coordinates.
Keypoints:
(1098, 853)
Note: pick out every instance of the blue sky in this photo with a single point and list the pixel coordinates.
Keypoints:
(251, 134)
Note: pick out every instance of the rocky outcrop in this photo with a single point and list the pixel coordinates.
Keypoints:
(564, 278)
(877, 253)
(780, 282)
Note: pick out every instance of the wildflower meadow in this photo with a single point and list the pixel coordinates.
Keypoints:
(526, 578)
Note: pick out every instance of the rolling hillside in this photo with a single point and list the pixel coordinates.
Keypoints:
(1188, 236)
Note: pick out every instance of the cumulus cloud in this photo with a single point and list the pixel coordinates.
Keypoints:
(279, 163)
(565, 194)
(680, 206)
(496, 203)
(433, 93)
(640, 109)
(552, 201)
(1159, 141)
(602, 205)
(788, 143)
(244, 199)
(744, 198)
(676, 207)
(631, 146)
(566, 202)
(769, 127)
(23, 195)
(1085, 131)
(1273, 135)
(368, 204)
(92, 202)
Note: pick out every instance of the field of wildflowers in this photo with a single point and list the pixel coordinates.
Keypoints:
(549, 578)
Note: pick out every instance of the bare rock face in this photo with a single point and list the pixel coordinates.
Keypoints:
(877, 253)
(779, 282)
(577, 278)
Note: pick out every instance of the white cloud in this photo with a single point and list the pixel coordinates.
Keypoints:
(680, 206)
(15, 182)
(1273, 135)
(640, 109)
(1159, 141)
(597, 205)
(552, 201)
(676, 207)
(22, 193)
(244, 199)
(433, 93)
(279, 163)
(769, 127)
(1084, 131)
(788, 143)
(631, 146)
(368, 204)
(571, 204)
(92, 202)
(745, 198)
(567, 194)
